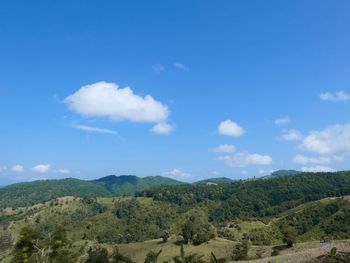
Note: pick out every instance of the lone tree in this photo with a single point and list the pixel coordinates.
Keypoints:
(197, 229)
(289, 236)
(240, 251)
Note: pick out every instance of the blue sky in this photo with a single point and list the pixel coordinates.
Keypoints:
(229, 88)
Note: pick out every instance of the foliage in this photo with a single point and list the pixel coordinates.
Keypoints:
(240, 250)
(192, 258)
(197, 229)
(97, 255)
(152, 256)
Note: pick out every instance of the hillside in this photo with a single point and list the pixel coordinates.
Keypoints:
(130, 184)
(135, 225)
(30, 193)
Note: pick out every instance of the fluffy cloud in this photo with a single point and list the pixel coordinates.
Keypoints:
(243, 159)
(282, 121)
(17, 168)
(177, 173)
(162, 128)
(335, 97)
(291, 135)
(230, 128)
(316, 169)
(225, 148)
(41, 168)
(180, 65)
(103, 99)
(63, 171)
(302, 159)
(94, 129)
(332, 140)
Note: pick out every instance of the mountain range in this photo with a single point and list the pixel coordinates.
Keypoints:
(30, 193)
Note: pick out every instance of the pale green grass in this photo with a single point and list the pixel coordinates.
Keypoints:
(137, 251)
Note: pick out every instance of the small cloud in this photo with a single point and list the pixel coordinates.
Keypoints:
(215, 173)
(230, 128)
(225, 148)
(181, 66)
(282, 121)
(163, 128)
(317, 169)
(94, 129)
(302, 159)
(41, 168)
(291, 135)
(63, 171)
(158, 68)
(339, 96)
(244, 159)
(177, 173)
(17, 168)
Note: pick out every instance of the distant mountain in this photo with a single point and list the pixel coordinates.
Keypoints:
(129, 184)
(218, 180)
(281, 173)
(30, 193)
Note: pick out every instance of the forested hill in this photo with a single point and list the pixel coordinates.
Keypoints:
(30, 193)
(255, 198)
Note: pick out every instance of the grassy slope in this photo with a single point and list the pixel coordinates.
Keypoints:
(138, 251)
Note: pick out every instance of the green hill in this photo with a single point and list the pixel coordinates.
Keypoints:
(130, 184)
(30, 193)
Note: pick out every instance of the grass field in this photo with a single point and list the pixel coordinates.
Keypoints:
(138, 251)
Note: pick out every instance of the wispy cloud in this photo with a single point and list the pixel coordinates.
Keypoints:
(282, 121)
(339, 96)
(177, 173)
(181, 66)
(94, 129)
(158, 68)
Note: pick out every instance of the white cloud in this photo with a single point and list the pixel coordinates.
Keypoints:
(180, 65)
(335, 97)
(159, 68)
(93, 129)
(41, 168)
(63, 171)
(225, 148)
(302, 159)
(103, 99)
(230, 128)
(243, 159)
(17, 168)
(316, 169)
(162, 128)
(282, 121)
(177, 173)
(215, 173)
(291, 135)
(332, 140)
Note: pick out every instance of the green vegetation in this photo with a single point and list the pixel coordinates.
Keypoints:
(232, 221)
(27, 194)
